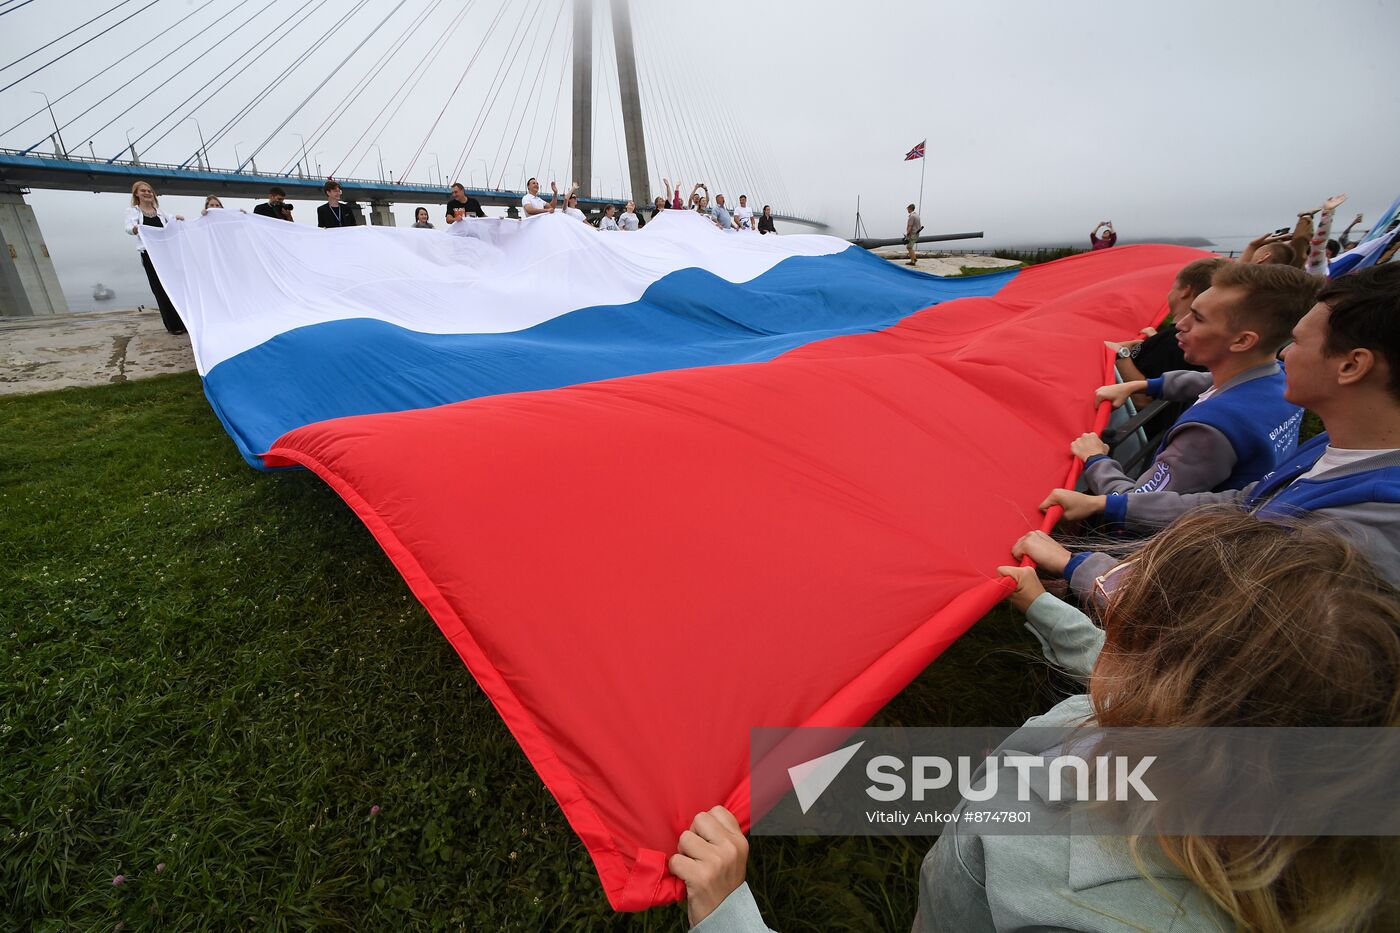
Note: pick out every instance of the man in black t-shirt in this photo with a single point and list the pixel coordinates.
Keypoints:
(276, 206)
(333, 213)
(469, 206)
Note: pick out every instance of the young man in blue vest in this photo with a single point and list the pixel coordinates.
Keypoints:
(1344, 364)
(1240, 427)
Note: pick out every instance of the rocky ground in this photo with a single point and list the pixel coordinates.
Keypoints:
(83, 349)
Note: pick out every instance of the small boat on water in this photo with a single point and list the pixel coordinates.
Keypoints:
(101, 292)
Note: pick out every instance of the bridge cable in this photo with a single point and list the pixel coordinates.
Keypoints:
(656, 103)
(362, 85)
(527, 17)
(494, 90)
(64, 36)
(551, 57)
(547, 153)
(664, 154)
(420, 70)
(504, 76)
(615, 116)
(336, 70)
(75, 48)
(510, 112)
(726, 136)
(676, 148)
(13, 8)
(173, 111)
(103, 71)
(517, 43)
(536, 85)
(296, 63)
(166, 82)
(272, 43)
(697, 155)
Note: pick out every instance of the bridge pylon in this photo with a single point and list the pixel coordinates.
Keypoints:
(28, 283)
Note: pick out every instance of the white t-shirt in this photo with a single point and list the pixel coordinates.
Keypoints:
(1336, 457)
(607, 223)
(575, 213)
(745, 217)
(534, 201)
(627, 221)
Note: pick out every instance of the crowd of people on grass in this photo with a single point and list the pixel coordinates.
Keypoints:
(1241, 579)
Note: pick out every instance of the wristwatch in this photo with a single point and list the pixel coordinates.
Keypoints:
(1125, 353)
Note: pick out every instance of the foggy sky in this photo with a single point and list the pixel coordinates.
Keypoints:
(1192, 118)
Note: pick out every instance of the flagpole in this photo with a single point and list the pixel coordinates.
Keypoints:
(922, 163)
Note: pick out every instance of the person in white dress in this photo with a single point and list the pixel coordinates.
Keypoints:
(145, 211)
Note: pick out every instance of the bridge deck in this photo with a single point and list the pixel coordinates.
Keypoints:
(76, 173)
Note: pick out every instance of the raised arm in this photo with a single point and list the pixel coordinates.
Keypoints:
(1345, 238)
(1316, 263)
(1262, 240)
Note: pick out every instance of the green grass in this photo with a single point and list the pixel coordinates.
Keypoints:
(218, 672)
(983, 270)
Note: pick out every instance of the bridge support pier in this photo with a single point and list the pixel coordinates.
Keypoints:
(28, 282)
(380, 215)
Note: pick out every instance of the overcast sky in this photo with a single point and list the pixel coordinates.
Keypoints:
(1192, 118)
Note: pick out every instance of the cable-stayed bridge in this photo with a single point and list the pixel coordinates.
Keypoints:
(109, 92)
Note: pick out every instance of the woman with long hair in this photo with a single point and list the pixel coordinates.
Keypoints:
(145, 211)
(1222, 620)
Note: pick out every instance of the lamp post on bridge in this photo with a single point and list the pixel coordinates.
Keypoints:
(485, 171)
(317, 157)
(58, 137)
(381, 160)
(306, 162)
(438, 166)
(202, 148)
(132, 146)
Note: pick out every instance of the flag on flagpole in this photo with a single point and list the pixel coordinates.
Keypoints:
(916, 153)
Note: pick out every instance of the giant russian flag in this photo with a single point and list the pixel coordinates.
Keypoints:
(639, 553)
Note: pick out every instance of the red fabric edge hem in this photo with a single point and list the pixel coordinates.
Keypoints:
(647, 882)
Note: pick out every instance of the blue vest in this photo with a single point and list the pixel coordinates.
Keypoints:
(1255, 419)
(1278, 494)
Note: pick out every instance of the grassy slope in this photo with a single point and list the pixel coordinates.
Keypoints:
(218, 671)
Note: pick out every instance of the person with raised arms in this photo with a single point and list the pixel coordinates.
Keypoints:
(531, 201)
(1344, 365)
